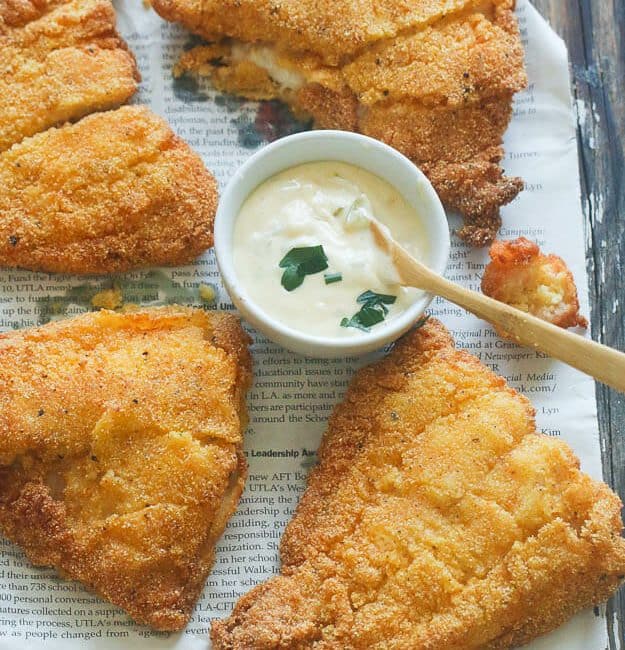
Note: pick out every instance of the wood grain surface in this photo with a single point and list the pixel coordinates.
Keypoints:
(594, 31)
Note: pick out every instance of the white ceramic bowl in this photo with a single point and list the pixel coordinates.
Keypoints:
(367, 153)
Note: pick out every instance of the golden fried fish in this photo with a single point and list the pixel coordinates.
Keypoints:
(115, 191)
(520, 275)
(60, 60)
(435, 79)
(437, 518)
(121, 451)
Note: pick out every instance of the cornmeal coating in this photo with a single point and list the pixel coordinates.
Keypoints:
(121, 451)
(434, 79)
(436, 518)
(60, 60)
(115, 191)
(520, 275)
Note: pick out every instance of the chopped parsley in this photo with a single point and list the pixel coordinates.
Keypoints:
(372, 298)
(373, 311)
(300, 262)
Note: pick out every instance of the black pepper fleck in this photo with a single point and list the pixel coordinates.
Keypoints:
(40, 412)
(13, 239)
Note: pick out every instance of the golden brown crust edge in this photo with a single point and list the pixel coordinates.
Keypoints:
(448, 120)
(62, 62)
(351, 424)
(32, 517)
(154, 206)
(289, 597)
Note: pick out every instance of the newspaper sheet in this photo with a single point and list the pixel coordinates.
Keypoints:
(292, 396)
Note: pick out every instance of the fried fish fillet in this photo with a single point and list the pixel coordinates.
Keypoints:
(520, 275)
(116, 191)
(121, 451)
(437, 518)
(435, 79)
(60, 60)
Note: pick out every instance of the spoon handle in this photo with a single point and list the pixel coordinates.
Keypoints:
(601, 362)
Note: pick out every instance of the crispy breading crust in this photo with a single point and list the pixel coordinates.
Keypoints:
(121, 451)
(435, 79)
(116, 191)
(520, 275)
(321, 27)
(60, 60)
(436, 518)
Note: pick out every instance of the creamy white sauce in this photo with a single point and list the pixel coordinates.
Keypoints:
(328, 204)
(264, 57)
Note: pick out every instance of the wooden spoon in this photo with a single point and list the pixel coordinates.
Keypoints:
(599, 361)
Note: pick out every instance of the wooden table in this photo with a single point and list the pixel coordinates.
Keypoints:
(594, 31)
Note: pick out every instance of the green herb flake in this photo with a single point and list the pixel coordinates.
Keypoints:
(370, 315)
(373, 311)
(369, 296)
(354, 322)
(292, 278)
(330, 278)
(300, 262)
(309, 259)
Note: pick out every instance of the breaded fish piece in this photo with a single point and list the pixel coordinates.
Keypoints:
(520, 275)
(60, 60)
(434, 79)
(121, 451)
(116, 191)
(437, 518)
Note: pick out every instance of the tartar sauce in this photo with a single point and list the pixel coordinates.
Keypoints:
(324, 204)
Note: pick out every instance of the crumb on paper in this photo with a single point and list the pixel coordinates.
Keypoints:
(207, 293)
(108, 299)
(520, 275)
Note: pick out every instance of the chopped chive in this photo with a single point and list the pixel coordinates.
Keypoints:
(332, 277)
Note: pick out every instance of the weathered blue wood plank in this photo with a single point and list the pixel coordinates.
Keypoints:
(595, 34)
